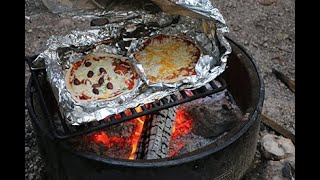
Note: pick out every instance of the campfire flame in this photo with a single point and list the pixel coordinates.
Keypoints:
(137, 133)
(181, 128)
(102, 137)
(120, 142)
(182, 125)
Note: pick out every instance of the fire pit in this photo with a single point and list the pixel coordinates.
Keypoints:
(227, 156)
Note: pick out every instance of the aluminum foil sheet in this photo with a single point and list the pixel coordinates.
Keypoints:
(122, 36)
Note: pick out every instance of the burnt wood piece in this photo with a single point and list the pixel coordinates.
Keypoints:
(285, 80)
(277, 128)
(214, 118)
(160, 132)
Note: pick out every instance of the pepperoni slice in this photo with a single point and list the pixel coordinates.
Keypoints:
(121, 69)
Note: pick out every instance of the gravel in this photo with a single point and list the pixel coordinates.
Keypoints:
(265, 28)
(33, 164)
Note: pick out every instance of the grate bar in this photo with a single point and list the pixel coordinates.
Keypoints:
(73, 131)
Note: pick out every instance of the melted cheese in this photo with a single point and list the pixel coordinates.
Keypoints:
(85, 88)
(164, 59)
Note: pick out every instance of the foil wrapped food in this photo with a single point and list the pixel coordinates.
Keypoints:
(123, 36)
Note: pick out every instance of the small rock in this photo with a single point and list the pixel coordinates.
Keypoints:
(237, 28)
(265, 44)
(291, 161)
(287, 171)
(26, 149)
(31, 176)
(281, 36)
(277, 170)
(276, 147)
(254, 44)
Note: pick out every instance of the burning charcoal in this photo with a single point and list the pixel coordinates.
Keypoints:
(208, 121)
(124, 130)
(214, 115)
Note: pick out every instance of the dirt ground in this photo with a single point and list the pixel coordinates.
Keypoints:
(267, 32)
(265, 28)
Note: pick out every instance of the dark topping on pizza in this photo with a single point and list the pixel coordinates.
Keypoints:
(102, 70)
(109, 85)
(98, 80)
(101, 81)
(76, 81)
(96, 85)
(95, 91)
(87, 64)
(90, 74)
(84, 97)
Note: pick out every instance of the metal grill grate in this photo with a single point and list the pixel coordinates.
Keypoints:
(65, 130)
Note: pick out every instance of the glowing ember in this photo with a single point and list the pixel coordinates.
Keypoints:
(118, 142)
(115, 142)
(136, 136)
(177, 149)
(138, 131)
(182, 125)
(106, 140)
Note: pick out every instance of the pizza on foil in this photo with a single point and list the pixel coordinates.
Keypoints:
(168, 59)
(99, 77)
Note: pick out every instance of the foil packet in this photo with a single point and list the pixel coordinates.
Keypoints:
(122, 35)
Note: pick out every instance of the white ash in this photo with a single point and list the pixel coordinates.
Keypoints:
(191, 143)
(161, 128)
(212, 117)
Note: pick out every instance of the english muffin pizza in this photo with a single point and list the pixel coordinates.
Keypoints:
(167, 58)
(100, 77)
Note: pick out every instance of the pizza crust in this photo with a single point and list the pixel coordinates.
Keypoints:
(168, 59)
(100, 77)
